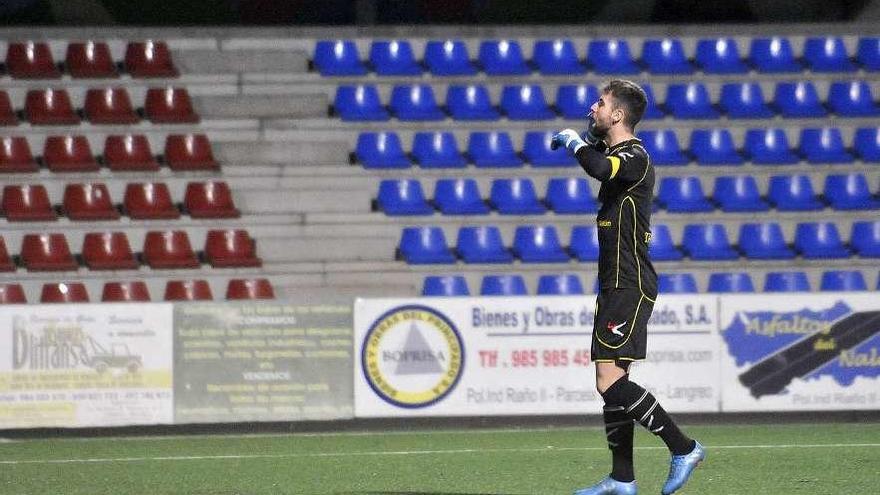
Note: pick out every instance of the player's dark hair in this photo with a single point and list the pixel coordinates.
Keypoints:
(631, 97)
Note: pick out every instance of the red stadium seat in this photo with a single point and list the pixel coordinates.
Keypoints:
(89, 202)
(231, 249)
(7, 112)
(64, 292)
(6, 263)
(69, 154)
(189, 152)
(129, 152)
(209, 200)
(108, 251)
(150, 200)
(168, 250)
(30, 60)
(15, 156)
(49, 107)
(12, 293)
(149, 59)
(134, 291)
(27, 203)
(259, 288)
(169, 106)
(46, 253)
(90, 60)
(188, 290)
(109, 106)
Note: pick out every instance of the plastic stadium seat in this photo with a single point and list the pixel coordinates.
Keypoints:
(248, 289)
(12, 293)
(88, 202)
(415, 103)
(169, 249)
(109, 106)
(492, 149)
(850, 192)
(690, 101)
(231, 249)
(793, 193)
(445, 285)
(503, 285)
(707, 242)
(719, 56)
(437, 150)
(502, 58)
(662, 247)
(16, 156)
(209, 200)
(359, 103)
(557, 57)
(64, 292)
(798, 100)
(403, 197)
(744, 100)
(90, 59)
(425, 245)
(676, 283)
(69, 154)
(843, 280)
(188, 290)
(865, 238)
(46, 252)
(448, 58)
(31, 60)
(726, 282)
(108, 251)
(868, 53)
(129, 152)
(852, 99)
(536, 150)
(867, 143)
(482, 244)
(149, 59)
(338, 58)
(7, 113)
(393, 58)
(538, 244)
(584, 243)
(771, 55)
(49, 107)
(525, 102)
(714, 147)
(169, 106)
(459, 197)
(769, 147)
(652, 111)
(133, 291)
(738, 193)
(150, 200)
(570, 195)
(470, 102)
(665, 56)
(27, 203)
(189, 152)
(824, 145)
(380, 150)
(662, 146)
(563, 284)
(827, 54)
(786, 282)
(611, 57)
(6, 262)
(515, 197)
(763, 241)
(574, 101)
(683, 195)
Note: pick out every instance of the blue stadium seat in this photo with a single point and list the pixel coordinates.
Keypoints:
(704, 241)
(437, 150)
(666, 56)
(793, 193)
(663, 147)
(515, 197)
(849, 192)
(827, 54)
(492, 149)
(865, 238)
(744, 100)
(459, 197)
(563, 284)
(482, 244)
(538, 244)
(338, 58)
(403, 197)
(536, 150)
(852, 99)
(525, 102)
(611, 57)
(798, 100)
(714, 147)
(773, 55)
(683, 195)
(819, 240)
(662, 247)
(867, 143)
(470, 103)
(359, 103)
(380, 150)
(824, 145)
(719, 56)
(690, 101)
(584, 243)
(868, 53)
(786, 282)
(502, 58)
(738, 193)
(503, 285)
(557, 57)
(676, 283)
(445, 286)
(415, 103)
(570, 195)
(574, 101)
(730, 282)
(843, 281)
(425, 245)
(763, 241)
(769, 147)
(394, 58)
(448, 58)
(652, 111)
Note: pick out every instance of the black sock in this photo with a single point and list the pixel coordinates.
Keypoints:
(641, 406)
(619, 431)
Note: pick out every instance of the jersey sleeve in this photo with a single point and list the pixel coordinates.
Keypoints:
(628, 164)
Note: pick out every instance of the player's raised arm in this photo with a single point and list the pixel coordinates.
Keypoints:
(588, 151)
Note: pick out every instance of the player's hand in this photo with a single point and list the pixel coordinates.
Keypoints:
(568, 138)
(590, 137)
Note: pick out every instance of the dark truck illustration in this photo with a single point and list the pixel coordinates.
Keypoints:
(94, 355)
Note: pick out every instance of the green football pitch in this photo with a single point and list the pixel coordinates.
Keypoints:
(758, 459)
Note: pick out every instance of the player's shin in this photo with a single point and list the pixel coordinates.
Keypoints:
(619, 432)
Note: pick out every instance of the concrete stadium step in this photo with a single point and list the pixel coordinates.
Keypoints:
(308, 150)
(242, 62)
(262, 106)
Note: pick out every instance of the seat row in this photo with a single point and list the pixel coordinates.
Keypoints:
(541, 243)
(89, 59)
(137, 291)
(603, 56)
(170, 249)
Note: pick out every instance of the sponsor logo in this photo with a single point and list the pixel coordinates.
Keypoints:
(604, 223)
(615, 329)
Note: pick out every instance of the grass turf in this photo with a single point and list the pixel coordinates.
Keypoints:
(790, 459)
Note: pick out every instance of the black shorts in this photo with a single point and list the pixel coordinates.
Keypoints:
(620, 328)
